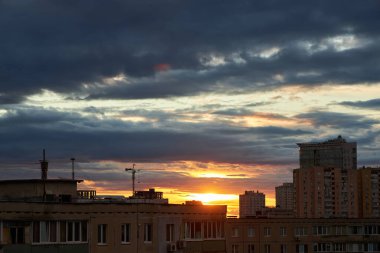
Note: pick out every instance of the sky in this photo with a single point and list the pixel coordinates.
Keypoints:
(207, 98)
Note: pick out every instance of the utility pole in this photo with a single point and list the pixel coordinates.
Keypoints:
(72, 168)
(133, 170)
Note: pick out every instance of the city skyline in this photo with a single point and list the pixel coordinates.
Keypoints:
(208, 99)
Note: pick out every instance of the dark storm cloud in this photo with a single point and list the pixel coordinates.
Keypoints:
(343, 121)
(24, 132)
(59, 45)
(369, 104)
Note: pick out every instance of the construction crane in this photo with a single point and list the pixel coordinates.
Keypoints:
(133, 178)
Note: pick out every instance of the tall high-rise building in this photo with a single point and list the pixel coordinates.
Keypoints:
(323, 192)
(369, 192)
(251, 203)
(285, 196)
(335, 153)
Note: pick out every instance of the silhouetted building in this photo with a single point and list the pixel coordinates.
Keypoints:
(285, 196)
(251, 203)
(52, 215)
(335, 153)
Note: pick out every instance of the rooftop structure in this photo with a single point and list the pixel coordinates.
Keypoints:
(336, 153)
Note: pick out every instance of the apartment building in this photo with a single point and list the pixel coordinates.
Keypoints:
(369, 191)
(285, 196)
(251, 203)
(47, 215)
(295, 235)
(335, 153)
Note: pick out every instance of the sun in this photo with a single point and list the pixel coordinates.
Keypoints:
(209, 198)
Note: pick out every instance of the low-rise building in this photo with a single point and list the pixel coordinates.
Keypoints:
(295, 235)
(48, 215)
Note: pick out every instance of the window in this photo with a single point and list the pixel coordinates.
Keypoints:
(355, 230)
(102, 233)
(300, 231)
(251, 232)
(301, 248)
(320, 230)
(371, 230)
(267, 231)
(251, 248)
(148, 232)
(322, 247)
(282, 231)
(235, 232)
(339, 247)
(204, 229)
(17, 235)
(193, 230)
(169, 232)
(283, 248)
(267, 248)
(212, 229)
(45, 231)
(74, 231)
(125, 233)
(235, 248)
(339, 230)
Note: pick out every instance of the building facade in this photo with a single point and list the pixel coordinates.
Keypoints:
(285, 196)
(369, 192)
(295, 235)
(251, 204)
(335, 153)
(48, 220)
(322, 192)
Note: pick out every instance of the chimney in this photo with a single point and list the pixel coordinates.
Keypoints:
(44, 167)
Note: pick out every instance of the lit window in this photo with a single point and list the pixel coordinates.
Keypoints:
(102, 233)
(125, 233)
(148, 231)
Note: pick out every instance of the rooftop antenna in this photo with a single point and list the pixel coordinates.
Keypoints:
(44, 166)
(72, 168)
(133, 178)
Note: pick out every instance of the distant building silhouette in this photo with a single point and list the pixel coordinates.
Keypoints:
(251, 204)
(285, 196)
